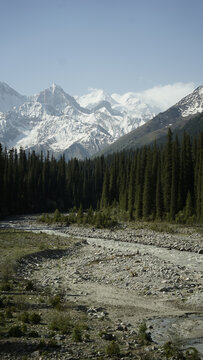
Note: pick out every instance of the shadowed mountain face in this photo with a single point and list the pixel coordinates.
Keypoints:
(186, 115)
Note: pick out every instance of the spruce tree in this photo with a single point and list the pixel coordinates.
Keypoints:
(167, 172)
(105, 191)
(159, 196)
(175, 179)
(131, 191)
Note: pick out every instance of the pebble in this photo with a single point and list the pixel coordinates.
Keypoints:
(121, 267)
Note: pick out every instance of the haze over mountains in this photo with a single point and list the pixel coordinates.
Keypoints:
(81, 126)
(186, 115)
(53, 120)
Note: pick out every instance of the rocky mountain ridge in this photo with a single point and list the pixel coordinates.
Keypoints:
(55, 121)
(186, 112)
(81, 126)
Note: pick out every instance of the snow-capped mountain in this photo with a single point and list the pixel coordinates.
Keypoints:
(185, 115)
(77, 126)
(53, 120)
(9, 98)
(128, 103)
(192, 103)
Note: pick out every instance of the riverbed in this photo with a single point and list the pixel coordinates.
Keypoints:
(135, 280)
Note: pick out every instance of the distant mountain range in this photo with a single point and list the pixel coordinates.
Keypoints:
(186, 115)
(83, 126)
(78, 127)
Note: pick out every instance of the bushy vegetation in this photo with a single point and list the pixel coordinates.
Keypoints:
(113, 349)
(60, 322)
(77, 334)
(15, 331)
(173, 351)
(98, 219)
(143, 336)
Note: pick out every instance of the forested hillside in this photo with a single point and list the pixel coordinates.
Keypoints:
(150, 183)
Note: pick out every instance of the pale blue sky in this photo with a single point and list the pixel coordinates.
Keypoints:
(117, 45)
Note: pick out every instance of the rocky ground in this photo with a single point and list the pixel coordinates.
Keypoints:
(133, 281)
(129, 275)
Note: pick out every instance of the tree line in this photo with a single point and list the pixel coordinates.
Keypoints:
(153, 182)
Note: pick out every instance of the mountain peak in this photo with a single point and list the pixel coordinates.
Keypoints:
(6, 89)
(51, 96)
(93, 98)
(199, 90)
(192, 103)
(55, 88)
(9, 97)
(53, 120)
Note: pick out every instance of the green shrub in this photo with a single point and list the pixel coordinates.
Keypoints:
(60, 322)
(55, 300)
(77, 334)
(29, 286)
(57, 216)
(192, 354)
(2, 319)
(21, 302)
(113, 349)
(52, 343)
(34, 318)
(7, 270)
(42, 344)
(15, 331)
(6, 287)
(24, 328)
(172, 351)
(143, 337)
(8, 313)
(1, 303)
(24, 317)
(33, 334)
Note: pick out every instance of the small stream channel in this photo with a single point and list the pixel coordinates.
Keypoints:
(186, 328)
(183, 330)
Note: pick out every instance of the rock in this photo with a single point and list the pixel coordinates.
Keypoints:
(36, 354)
(108, 336)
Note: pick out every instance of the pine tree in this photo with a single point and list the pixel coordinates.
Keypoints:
(159, 196)
(140, 176)
(186, 171)
(147, 194)
(167, 172)
(188, 207)
(105, 191)
(131, 191)
(175, 179)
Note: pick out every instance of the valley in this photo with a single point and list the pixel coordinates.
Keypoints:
(125, 276)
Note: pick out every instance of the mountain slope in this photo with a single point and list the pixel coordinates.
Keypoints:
(53, 120)
(9, 98)
(178, 117)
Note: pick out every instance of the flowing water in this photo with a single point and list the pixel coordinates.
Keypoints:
(184, 329)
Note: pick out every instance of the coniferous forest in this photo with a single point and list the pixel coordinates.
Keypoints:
(150, 183)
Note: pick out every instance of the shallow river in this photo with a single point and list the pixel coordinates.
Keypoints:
(189, 260)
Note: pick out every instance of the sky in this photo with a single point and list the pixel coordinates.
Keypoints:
(117, 45)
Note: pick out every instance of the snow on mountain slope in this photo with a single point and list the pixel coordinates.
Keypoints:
(9, 98)
(128, 103)
(55, 121)
(192, 103)
(93, 98)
